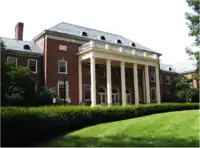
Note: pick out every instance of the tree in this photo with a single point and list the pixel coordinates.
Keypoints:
(2, 46)
(18, 85)
(193, 24)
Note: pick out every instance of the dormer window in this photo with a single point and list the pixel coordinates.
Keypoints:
(119, 41)
(170, 69)
(84, 34)
(103, 38)
(133, 44)
(27, 47)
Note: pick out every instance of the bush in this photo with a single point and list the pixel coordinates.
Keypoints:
(28, 126)
(46, 96)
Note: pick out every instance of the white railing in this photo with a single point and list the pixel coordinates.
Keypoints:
(112, 47)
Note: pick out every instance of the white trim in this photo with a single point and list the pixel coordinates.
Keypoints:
(67, 88)
(16, 59)
(36, 64)
(65, 67)
(62, 47)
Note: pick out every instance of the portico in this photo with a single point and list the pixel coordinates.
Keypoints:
(110, 53)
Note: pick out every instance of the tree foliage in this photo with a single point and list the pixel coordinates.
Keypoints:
(2, 46)
(18, 85)
(193, 20)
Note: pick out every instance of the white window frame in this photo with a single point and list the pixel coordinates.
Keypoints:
(13, 57)
(59, 67)
(167, 78)
(66, 87)
(36, 65)
(100, 94)
(62, 47)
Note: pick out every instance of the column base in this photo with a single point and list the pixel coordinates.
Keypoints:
(109, 104)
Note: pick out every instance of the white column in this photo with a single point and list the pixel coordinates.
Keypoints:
(147, 84)
(157, 84)
(123, 83)
(135, 75)
(109, 82)
(93, 81)
(80, 82)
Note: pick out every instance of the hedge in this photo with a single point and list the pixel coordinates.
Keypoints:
(23, 126)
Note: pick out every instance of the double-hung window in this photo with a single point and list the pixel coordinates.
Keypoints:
(32, 65)
(12, 60)
(62, 67)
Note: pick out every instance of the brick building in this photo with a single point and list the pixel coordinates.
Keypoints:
(98, 67)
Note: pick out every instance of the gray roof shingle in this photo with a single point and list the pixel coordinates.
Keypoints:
(167, 67)
(18, 45)
(93, 34)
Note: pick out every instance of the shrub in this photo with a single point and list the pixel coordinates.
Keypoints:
(27, 126)
(46, 96)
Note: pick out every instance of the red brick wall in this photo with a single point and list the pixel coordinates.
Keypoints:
(53, 54)
(23, 61)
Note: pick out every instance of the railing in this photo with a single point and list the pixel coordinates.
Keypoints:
(112, 47)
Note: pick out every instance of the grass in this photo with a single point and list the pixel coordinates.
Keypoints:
(176, 129)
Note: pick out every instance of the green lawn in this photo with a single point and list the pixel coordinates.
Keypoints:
(166, 129)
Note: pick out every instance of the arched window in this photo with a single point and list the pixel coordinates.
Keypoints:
(170, 69)
(103, 38)
(128, 96)
(102, 95)
(133, 44)
(119, 41)
(27, 47)
(115, 96)
(84, 34)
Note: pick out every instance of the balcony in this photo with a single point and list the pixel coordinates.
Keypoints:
(117, 48)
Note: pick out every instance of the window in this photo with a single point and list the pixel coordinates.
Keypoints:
(115, 96)
(167, 79)
(152, 76)
(128, 96)
(62, 67)
(86, 70)
(12, 60)
(128, 73)
(133, 44)
(170, 69)
(32, 65)
(63, 89)
(102, 96)
(63, 47)
(119, 41)
(84, 34)
(153, 94)
(103, 38)
(140, 94)
(87, 94)
(102, 71)
(27, 47)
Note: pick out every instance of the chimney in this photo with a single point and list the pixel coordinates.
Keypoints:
(19, 29)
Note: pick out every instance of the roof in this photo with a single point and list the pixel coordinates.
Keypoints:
(92, 34)
(167, 68)
(18, 45)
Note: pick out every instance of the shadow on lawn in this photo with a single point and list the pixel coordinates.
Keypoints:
(122, 141)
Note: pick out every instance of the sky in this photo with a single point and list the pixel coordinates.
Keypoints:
(157, 24)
